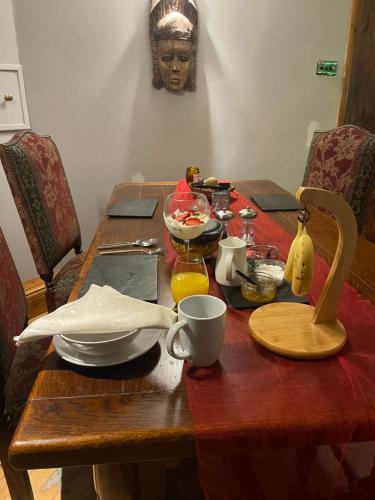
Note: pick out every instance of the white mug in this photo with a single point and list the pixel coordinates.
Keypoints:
(201, 329)
(232, 256)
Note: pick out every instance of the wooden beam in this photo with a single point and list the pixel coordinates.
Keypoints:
(352, 26)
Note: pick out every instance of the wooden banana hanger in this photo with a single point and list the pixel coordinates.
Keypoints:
(303, 331)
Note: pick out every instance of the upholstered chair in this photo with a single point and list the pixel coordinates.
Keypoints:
(343, 160)
(41, 192)
(18, 366)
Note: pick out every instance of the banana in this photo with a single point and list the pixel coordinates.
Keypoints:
(288, 271)
(303, 264)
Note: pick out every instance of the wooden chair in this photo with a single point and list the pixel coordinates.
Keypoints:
(41, 192)
(18, 366)
(343, 160)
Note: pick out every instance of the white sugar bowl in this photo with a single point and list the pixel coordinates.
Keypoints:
(271, 267)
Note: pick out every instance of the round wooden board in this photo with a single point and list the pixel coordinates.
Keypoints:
(286, 328)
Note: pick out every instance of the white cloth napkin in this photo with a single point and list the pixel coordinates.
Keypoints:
(100, 310)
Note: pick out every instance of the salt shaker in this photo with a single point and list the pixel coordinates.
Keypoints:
(247, 233)
(225, 216)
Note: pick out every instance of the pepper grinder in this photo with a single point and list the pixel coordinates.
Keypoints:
(225, 216)
(247, 233)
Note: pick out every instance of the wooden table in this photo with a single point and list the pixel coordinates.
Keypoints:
(138, 410)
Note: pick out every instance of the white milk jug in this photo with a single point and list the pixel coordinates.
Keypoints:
(232, 256)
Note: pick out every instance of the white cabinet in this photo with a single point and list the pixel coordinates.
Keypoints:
(13, 105)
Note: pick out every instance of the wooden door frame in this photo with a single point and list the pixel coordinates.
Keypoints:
(348, 61)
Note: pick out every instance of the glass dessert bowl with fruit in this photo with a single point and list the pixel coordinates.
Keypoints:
(206, 244)
(186, 215)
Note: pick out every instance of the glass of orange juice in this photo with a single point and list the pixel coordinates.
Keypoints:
(189, 276)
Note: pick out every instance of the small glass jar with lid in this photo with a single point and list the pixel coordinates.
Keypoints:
(190, 172)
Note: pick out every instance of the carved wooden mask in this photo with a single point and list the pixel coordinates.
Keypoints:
(173, 32)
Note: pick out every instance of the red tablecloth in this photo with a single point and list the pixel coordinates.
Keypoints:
(252, 410)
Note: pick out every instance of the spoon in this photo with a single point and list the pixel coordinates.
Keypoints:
(247, 278)
(254, 280)
(255, 276)
(137, 243)
(148, 251)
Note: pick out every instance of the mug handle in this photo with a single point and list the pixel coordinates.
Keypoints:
(228, 267)
(173, 331)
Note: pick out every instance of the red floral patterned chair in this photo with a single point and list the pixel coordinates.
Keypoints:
(343, 160)
(18, 366)
(41, 192)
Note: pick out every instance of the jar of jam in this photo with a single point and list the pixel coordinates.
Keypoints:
(190, 171)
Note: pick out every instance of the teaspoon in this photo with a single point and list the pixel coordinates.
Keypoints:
(148, 251)
(137, 243)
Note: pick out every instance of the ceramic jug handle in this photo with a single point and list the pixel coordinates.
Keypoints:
(173, 331)
(228, 267)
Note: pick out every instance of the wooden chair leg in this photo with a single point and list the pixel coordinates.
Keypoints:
(116, 481)
(50, 298)
(50, 291)
(18, 482)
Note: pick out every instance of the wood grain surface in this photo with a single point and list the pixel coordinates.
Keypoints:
(288, 329)
(357, 103)
(139, 411)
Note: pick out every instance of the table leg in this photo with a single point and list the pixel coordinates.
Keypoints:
(177, 479)
(116, 481)
(18, 482)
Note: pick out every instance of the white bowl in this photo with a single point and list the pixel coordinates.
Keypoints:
(100, 344)
(274, 268)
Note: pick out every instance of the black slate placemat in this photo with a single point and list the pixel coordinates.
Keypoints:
(284, 293)
(272, 202)
(133, 208)
(133, 275)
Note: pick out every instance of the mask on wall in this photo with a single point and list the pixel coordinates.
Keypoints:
(173, 32)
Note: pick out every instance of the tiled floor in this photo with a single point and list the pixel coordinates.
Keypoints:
(170, 480)
(57, 484)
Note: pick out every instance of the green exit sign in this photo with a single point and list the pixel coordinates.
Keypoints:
(328, 68)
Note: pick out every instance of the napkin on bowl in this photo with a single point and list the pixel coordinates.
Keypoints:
(100, 310)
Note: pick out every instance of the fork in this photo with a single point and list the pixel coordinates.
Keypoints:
(147, 251)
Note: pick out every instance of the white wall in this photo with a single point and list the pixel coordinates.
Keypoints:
(87, 68)
(9, 220)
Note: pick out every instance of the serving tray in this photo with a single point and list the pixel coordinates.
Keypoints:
(284, 293)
